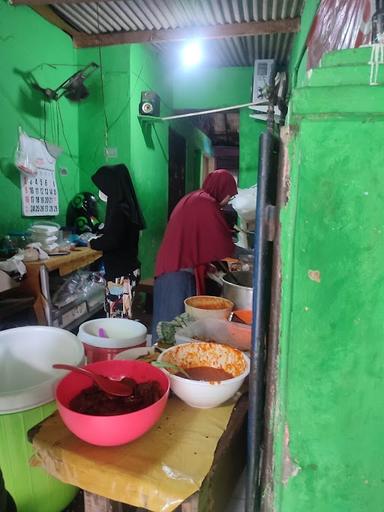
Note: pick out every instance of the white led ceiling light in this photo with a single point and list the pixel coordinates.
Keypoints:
(192, 54)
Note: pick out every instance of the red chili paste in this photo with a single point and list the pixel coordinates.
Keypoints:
(206, 373)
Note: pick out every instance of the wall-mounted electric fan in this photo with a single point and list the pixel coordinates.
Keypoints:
(73, 88)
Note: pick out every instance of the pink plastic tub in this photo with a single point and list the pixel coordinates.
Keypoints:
(111, 430)
(95, 354)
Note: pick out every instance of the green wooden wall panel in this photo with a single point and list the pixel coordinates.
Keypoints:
(328, 416)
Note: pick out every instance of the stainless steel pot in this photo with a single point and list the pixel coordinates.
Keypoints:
(237, 287)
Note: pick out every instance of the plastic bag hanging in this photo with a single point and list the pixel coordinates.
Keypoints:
(32, 155)
(245, 203)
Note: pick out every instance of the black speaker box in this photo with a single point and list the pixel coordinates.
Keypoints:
(149, 104)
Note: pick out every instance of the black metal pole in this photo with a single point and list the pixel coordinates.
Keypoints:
(266, 196)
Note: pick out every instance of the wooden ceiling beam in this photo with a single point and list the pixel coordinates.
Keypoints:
(253, 28)
(46, 12)
(82, 40)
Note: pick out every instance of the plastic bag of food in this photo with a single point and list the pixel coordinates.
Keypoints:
(80, 283)
(245, 203)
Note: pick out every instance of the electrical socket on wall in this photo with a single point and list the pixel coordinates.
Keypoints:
(110, 152)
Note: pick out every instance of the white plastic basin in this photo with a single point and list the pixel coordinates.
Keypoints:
(121, 332)
(27, 379)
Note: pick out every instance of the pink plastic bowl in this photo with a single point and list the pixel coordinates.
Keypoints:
(111, 430)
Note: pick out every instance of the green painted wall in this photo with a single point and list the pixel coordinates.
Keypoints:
(105, 125)
(328, 414)
(205, 88)
(250, 130)
(126, 71)
(112, 113)
(30, 43)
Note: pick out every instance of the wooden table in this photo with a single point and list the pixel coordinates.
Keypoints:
(31, 286)
(75, 462)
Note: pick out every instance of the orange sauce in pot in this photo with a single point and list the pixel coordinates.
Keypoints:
(206, 373)
(211, 303)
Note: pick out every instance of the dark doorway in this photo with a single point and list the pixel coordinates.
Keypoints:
(227, 157)
(176, 169)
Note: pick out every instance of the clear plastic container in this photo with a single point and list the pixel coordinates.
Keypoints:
(221, 331)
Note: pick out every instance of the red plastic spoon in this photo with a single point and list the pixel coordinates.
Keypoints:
(113, 387)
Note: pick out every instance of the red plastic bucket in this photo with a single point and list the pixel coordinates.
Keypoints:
(95, 354)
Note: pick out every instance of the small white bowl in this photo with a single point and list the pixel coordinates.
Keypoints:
(208, 306)
(134, 353)
(204, 394)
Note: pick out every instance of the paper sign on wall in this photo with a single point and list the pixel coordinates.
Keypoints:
(37, 177)
(39, 194)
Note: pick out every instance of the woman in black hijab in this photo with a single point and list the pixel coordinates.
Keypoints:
(120, 238)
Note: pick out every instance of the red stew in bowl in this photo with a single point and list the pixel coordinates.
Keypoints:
(96, 402)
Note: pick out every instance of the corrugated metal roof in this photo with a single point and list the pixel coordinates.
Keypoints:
(110, 17)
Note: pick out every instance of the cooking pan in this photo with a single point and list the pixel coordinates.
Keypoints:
(237, 287)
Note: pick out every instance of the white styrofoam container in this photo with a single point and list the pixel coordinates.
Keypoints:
(222, 331)
(48, 229)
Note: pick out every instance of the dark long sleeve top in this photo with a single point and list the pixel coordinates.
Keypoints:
(119, 244)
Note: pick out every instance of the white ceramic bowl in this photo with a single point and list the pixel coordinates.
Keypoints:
(204, 394)
(208, 306)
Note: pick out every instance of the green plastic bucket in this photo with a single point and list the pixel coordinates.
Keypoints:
(33, 489)
(27, 386)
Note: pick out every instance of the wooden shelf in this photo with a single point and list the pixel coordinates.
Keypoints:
(76, 259)
(150, 119)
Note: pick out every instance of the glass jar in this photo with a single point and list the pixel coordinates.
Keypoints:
(19, 240)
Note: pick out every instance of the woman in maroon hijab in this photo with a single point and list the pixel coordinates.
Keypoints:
(197, 234)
